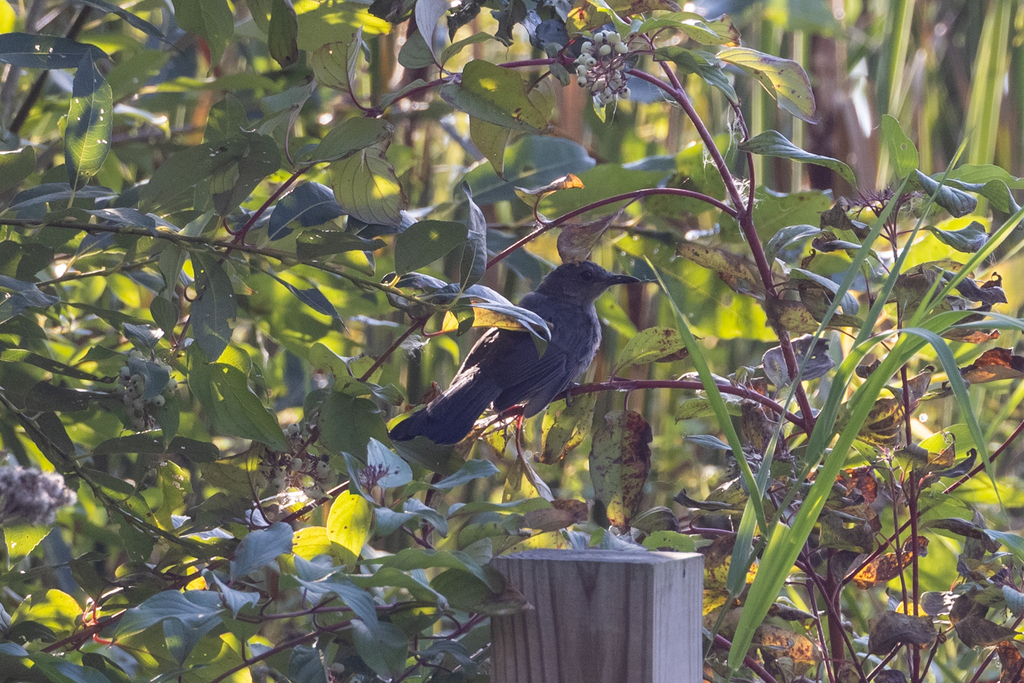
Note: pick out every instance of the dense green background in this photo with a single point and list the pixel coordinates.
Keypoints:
(228, 191)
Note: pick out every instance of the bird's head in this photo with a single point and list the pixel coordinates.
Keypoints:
(581, 282)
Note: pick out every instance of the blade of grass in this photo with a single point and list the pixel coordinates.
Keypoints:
(987, 82)
(716, 401)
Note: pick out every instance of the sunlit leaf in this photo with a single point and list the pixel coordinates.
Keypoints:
(90, 123)
(784, 78)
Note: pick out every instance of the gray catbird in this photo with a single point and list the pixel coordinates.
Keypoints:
(503, 368)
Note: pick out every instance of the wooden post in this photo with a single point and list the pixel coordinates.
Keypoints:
(601, 616)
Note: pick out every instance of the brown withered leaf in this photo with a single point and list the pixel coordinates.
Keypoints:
(936, 603)
(789, 613)
(532, 196)
(890, 676)
(967, 606)
(577, 240)
(757, 428)
(978, 632)
(568, 429)
(890, 629)
(786, 654)
(961, 527)
(970, 336)
(917, 386)
(836, 217)
(887, 567)
(561, 514)
(710, 505)
(620, 460)
(827, 241)
(739, 272)
(884, 425)
(859, 481)
(791, 316)
(864, 371)
(989, 293)
(587, 15)
(1010, 662)
(852, 528)
(815, 360)
(993, 365)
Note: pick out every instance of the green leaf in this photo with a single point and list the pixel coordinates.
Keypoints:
(334, 64)
(902, 152)
(260, 549)
(306, 665)
(652, 345)
(568, 430)
(214, 307)
(390, 470)
(231, 405)
(90, 123)
(415, 53)
(366, 186)
(473, 469)
(282, 38)
(496, 95)
(956, 202)
(491, 139)
(784, 78)
(474, 251)
(384, 649)
(772, 143)
(129, 18)
(620, 460)
(174, 183)
(347, 423)
(211, 20)
(968, 240)
(31, 51)
(459, 45)
(191, 607)
(350, 521)
(21, 540)
(671, 540)
(704, 64)
(424, 242)
(15, 166)
(428, 13)
(232, 183)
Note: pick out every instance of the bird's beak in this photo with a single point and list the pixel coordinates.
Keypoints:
(617, 279)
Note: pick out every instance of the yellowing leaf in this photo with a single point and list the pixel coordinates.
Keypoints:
(349, 523)
(783, 77)
(366, 186)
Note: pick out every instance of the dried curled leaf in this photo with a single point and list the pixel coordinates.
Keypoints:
(994, 365)
(890, 629)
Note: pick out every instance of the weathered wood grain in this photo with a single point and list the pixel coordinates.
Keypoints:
(601, 617)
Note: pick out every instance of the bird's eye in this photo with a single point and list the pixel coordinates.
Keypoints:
(586, 276)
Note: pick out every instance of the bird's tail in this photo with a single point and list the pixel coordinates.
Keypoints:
(449, 417)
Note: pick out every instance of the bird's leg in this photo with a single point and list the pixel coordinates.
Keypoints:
(568, 393)
(519, 433)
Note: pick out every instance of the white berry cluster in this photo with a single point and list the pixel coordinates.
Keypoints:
(29, 496)
(302, 471)
(601, 67)
(132, 386)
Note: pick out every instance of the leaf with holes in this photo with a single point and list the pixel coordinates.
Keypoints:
(496, 95)
(620, 460)
(90, 123)
(366, 186)
(902, 152)
(334, 64)
(782, 77)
